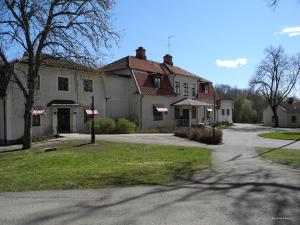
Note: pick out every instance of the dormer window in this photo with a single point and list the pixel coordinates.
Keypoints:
(206, 89)
(157, 82)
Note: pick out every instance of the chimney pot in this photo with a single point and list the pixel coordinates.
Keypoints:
(141, 53)
(168, 59)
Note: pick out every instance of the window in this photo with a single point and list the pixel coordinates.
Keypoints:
(194, 112)
(36, 120)
(38, 83)
(88, 85)
(228, 112)
(177, 112)
(186, 89)
(63, 84)
(157, 82)
(193, 90)
(206, 89)
(293, 119)
(223, 112)
(157, 115)
(177, 88)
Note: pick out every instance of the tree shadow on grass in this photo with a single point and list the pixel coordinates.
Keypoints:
(83, 144)
(277, 148)
(12, 150)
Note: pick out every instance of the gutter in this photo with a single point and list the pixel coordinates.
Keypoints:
(141, 100)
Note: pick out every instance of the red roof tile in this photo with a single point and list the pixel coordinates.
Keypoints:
(148, 66)
(146, 87)
(52, 61)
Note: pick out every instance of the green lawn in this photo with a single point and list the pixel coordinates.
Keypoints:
(281, 135)
(105, 164)
(283, 156)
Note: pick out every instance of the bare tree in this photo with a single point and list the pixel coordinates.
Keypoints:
(76, 30)
(276, 77)
(5, 73)
(274, 2)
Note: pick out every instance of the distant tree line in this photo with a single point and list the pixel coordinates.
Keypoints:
(248, 104)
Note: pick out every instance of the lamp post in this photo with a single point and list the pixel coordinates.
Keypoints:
(93, 138)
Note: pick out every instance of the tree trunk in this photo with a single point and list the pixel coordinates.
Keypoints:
(4, 119)
(27, 124)
(275, 117)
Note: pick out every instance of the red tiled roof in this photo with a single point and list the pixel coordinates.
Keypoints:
(178, 70)
(117, 65)
(145, 65)
(148, 66)
(146, 87)
(48, 60)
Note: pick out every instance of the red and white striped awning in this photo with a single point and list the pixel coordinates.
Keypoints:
(38, 110)
(89, 111)
(161, 108)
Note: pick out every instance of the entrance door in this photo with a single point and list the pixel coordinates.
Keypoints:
(186, 117)
(63, 120)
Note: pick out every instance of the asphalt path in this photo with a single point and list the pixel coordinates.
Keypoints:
(239, 189)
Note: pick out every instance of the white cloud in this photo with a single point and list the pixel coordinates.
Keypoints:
(291, 31)
(231, 63)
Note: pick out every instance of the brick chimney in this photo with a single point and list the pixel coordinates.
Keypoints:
(168, 59)
(141, 53)
(290, 100)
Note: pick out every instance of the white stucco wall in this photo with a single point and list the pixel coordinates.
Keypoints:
(147, 111)
(118, 103)
(49, 92)
(284, 118)
(184, 79)
(225, 104)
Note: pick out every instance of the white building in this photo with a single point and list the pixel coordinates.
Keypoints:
(225, 111)
(158, 94)
(61, 102)
(150, 93)
(288, 114)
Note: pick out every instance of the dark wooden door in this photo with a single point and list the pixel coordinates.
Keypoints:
(186, 117)
(63, 120)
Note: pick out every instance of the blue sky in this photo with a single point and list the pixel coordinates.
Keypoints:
(234, 32)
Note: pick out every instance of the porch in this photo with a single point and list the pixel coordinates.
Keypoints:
(189, 112)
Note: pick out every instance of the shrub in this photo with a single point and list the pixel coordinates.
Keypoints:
(183, 132)
(166, 129)
(103, 125)
(149, 131)
(203, 135)
(124, 126)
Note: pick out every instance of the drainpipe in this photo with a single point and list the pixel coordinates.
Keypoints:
(141, 112)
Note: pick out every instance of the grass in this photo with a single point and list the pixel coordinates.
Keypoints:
(75, 165)
(283, 156)
(281, 135)
(224, 125)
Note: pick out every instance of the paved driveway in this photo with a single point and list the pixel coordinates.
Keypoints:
(240, 189)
